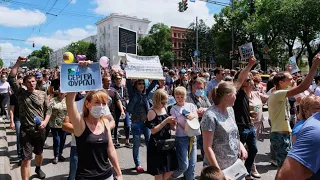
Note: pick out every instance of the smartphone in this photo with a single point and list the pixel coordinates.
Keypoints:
(185, 112)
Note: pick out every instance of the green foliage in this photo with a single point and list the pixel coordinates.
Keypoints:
(42, 55)
(92, 52)
(158, 42)
(34, 62)
(205, 39)
(79, 47)
(1, 63)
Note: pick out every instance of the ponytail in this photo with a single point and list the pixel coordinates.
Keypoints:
(221, 90)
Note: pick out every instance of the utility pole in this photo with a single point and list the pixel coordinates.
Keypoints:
(197, 44)
(232, 31)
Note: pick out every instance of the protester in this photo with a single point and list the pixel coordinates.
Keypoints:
(308, 106)
(160, 163)
(198, 98)
(186, 146)
(303, 160)
(34, 114)
(219, 76)
(92, 131)
(212, 173)
(59, 111)
(221, 142)
(5, 92)
(279, 109)
(315, 89)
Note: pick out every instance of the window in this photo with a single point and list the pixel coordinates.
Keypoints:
(131, 27)
(182, 35)
(139, 28)
(174, 34)
(109, 26)
(174, 44)
(179, 45)
(178, 35)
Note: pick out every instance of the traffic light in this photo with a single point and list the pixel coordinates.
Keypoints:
(185, 5)
(180, 6)
(32, 44)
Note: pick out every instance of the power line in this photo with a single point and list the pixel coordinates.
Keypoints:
(14, 39)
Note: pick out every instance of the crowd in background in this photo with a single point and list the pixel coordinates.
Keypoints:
(218, 111)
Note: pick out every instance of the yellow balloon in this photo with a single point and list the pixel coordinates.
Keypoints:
(68, 57)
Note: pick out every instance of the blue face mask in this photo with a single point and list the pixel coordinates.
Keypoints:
(185, 83)
(207, 79)
(199, 92)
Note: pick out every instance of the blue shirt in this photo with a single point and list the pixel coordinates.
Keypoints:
(210, 85)
(297, 127)
(306, 149)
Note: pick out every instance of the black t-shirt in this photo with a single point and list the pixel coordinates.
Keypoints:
(55, 84)
(242, 110)
(14, 102)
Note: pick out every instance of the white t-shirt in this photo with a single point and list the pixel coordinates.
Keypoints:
(316, 89)
(4, 87)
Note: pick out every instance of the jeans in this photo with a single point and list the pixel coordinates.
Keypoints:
(59, 139)
(126, 125)
(73, 166)
(186, 165)
(138, 127)
(17, 124)
(248, 137)
(5, 103)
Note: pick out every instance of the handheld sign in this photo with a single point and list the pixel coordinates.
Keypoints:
(246, 51)
(293, 63)
(144, 67)
(75, 78)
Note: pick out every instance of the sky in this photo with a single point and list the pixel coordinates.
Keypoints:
(57, 23)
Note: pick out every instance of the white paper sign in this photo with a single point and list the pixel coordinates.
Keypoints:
(293, 63)
(246, 51)
(143, 67)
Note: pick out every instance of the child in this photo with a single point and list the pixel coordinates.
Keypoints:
(212, 173)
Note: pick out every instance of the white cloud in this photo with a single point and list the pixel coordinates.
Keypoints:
(165, 11)
(62, 38)
(9, 52)
(73, 1)
(20, 17)
(90, 27)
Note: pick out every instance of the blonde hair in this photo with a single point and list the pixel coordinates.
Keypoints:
(305, 105)
(99, 95)
(158, 96)
(180, 91)
(221, 90)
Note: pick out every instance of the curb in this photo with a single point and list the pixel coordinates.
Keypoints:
(5, 169)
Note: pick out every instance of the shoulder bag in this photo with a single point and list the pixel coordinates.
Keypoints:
(236, 171)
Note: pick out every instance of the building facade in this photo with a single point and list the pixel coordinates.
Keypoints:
(56, 57)
(178, 37)
(107, 38)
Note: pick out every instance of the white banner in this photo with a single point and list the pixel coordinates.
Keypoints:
(143, 67)
(293, 63)
(246, 51)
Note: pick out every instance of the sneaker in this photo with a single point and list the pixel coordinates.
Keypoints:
(45, 146)
(117, 145)
(139, 169)
(55, 160)
(62, 159)
(128, 145)
(255, 174)
(41, 174)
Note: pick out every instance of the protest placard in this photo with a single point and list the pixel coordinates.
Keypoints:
(75, 78)
(294, 66)
(246, 51)
(143, 67)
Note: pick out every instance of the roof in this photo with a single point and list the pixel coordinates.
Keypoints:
(123, 16)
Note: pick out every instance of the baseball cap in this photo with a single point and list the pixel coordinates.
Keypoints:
(38, 75)
(182, 71)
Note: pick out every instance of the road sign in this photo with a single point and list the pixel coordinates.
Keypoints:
(212, 61)
(265, 49)
(192, 0)
(196, 53)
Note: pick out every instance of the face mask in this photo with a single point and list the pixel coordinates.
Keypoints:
(207, 79)
(185, 83)
(4, 79)
(98, 111)
(199, 92)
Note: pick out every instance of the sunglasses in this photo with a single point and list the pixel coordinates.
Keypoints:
(19, 77)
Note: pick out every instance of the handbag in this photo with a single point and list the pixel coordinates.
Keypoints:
(165, 144)
(192, 126)
(236, 171)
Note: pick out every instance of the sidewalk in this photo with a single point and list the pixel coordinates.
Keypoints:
(5, 170)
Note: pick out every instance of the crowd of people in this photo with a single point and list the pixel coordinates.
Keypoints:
(218, 111)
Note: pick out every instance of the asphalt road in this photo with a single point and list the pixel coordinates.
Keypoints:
(61, 170)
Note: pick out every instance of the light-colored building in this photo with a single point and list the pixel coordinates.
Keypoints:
(107, 39)
(91, 39)
(57, 57)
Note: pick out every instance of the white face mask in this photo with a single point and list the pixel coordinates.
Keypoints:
(98, 111)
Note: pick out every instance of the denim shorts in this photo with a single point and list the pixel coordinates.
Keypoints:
(281, 144)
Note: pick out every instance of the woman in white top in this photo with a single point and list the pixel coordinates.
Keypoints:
(5, 95)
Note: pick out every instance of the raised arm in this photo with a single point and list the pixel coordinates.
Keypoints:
(15, 68)
(308, 80)
(244, 73)
(73, 114)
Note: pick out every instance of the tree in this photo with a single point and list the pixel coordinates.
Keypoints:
(79, 48)
(42, 55)
(205, 40)
(1, 63)
(158, 42)
(92, 52)
(34, 62)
